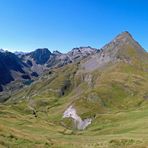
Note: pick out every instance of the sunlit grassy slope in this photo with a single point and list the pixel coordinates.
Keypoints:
(114, 96)
(112, 129)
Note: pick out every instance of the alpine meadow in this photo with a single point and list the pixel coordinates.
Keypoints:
(86, 97)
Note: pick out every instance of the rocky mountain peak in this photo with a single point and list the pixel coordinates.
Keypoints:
(122, 48)
(82, 51)
(124, 34)
(40, 55)
(1, 50)
(123, 39)
(19, 53)
(42, 50)
(56, 52)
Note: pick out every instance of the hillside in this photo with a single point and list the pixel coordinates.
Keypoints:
(20, 69)
(109, 86)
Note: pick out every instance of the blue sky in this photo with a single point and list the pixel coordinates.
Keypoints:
(63, 24)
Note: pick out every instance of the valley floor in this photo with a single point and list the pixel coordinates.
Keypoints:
(114, 130)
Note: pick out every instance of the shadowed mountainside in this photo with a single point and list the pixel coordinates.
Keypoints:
(23, 68)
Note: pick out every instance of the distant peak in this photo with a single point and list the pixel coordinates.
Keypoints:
(1, 50)
(83, 48)
(19, 53)
(56, 52)
(42, 49)
(124, 34)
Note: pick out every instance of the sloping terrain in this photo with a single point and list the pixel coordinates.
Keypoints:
(8, 62)
(11, 68)
(45, 59)
(110, 87)
(19, 69)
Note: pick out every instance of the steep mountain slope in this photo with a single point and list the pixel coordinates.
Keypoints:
(110, 87)
(75, 55)
(122, 48)
(25, 67)
(45, 58)
(9, 62)
(118, 70)
(112, 79)
(40, 56)
(79, 53)
(14, 73)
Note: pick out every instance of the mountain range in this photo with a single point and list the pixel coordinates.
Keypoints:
(107, 85)
(25, 67)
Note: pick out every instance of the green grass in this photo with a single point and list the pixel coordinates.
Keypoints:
(116, 100)
(112, 129)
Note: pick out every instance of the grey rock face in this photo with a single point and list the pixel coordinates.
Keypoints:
(80, 124)
(12, 69)
(9, 62)
(56, 59)
(27, 66)
(81, 52)
(56, 52)
(109, 53)
(76, 54)
(19, 53)
(122, 39)
(40, 56)
(1, 50)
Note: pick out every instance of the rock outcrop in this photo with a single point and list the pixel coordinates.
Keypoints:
(80, 124)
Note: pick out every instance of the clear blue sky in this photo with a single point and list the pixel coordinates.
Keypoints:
(63, 24)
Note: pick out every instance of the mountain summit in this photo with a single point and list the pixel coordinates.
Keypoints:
(123, 39)
(40, 55)
(122, 48)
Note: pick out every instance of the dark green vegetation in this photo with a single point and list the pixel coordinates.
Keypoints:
(113, 95)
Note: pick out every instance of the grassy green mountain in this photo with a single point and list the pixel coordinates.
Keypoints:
(111, 87)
